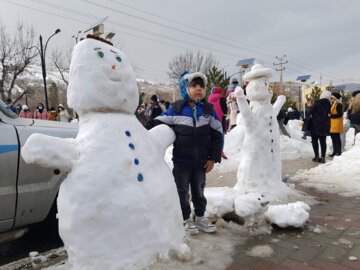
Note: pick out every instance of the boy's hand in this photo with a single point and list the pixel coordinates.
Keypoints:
(209, 166)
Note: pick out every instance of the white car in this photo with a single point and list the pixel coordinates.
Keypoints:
(27, 191)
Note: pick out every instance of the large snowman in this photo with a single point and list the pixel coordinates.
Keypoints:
(118, 207)
(260, 165)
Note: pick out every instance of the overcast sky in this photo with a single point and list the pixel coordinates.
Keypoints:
(317, 36)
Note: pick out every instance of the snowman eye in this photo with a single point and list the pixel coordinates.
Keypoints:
(100, 54)
(118, 58)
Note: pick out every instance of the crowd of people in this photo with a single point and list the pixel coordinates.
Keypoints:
(23, 111)
(326, 117)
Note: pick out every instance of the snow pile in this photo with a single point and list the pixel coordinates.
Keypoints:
(250, 204)
(291, 214)
(294, 147)
(220, 200)
(260, 251)
(341, 175)
(115, 210)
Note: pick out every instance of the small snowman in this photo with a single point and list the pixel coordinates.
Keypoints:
(118, 207)
(260, 164)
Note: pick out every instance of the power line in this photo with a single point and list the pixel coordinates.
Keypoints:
(128, 26)
(170, 27)
(212, 33)
(135, 28)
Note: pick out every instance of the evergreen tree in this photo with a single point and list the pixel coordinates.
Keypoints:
(216, 78)
(314, 95)
(345, 98)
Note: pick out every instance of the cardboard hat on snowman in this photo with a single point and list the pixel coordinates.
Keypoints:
(258, 71)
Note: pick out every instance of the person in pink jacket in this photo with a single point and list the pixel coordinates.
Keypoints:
(41, 112)
(217, 99)
(25, 112)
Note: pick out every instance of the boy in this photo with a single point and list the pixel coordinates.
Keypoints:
(198, 145)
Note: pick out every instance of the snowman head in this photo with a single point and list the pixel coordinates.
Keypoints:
(101, 78)
(258, 87)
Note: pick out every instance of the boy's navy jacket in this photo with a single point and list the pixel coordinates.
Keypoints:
(199, 133)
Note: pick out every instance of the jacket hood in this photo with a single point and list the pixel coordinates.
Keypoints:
(185, 80)
(216, 90)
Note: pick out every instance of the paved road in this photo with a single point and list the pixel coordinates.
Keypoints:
(40, 238)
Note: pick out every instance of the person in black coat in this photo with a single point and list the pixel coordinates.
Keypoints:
(155, 108)
(320, 125)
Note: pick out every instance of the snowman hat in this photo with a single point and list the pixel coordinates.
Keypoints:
(258, 71)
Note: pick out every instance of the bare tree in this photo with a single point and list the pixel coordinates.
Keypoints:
(190, 61)
(16, 53)
(61, 61)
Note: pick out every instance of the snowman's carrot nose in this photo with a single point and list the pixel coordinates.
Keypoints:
(113, 66)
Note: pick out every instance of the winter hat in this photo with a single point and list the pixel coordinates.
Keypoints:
(337, 95)
(186, 78)
(258, 71)
(154, 98)
(60, 106)
(24, 107)
(325, 94)
(234, 81)
(216, 90)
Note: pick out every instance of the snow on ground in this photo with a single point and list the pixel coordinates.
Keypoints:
(341, 175)
(260, 251)
(209, 251)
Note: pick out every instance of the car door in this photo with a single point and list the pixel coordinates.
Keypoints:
(9, 154)
(38, 186)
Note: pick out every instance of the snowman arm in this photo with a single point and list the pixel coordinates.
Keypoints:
(244, 107)
(280, 101)
(50, 152)
(163, 135)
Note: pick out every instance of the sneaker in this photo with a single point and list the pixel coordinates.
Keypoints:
(205, 225)
(190, 226)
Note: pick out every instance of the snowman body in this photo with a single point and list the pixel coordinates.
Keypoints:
(260, 161)
(118, 208)
(127, 190)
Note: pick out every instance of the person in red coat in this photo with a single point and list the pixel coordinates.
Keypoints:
(41, 112)
(217, 99)
(25, 112)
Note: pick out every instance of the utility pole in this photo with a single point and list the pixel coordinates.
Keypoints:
(281, 64)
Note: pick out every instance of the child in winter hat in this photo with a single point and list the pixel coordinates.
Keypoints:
(191, 78)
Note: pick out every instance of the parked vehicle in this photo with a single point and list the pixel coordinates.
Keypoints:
(27, 191)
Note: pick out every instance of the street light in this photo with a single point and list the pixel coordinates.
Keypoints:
(43, 65)
(302, 79)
